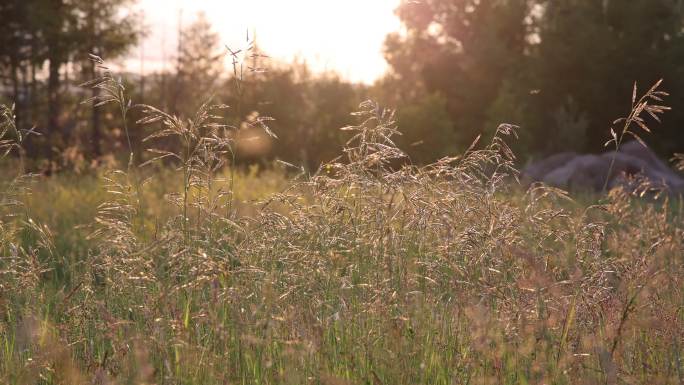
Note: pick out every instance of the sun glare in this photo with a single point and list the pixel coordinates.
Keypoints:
(343, 36)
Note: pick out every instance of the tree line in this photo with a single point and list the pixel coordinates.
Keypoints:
(44, 45)
(562, 70)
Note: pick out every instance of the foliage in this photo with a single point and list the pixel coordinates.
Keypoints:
(56, 33)
(536, 60)
(464, 50)
(536, 63)
(307, 110)
(427, 130)
(641, 41)
(199, 66)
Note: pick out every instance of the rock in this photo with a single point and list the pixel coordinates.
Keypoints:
(537, 170)
(576, 172)
(583, 172)
(638, 150)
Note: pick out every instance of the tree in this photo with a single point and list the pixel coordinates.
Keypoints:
(592, 51)
(200, 64)
(463, 50)
(15, 37)
(427, 130)
(558, 68)
(60, 33)
(308, 109)
(102, 30)
(55, 20)
(22, 54)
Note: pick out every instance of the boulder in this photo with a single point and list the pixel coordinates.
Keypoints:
(575, 172)
(537, 170)
(644, 153)
(583, 172)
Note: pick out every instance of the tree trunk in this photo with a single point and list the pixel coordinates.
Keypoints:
(56, 46)
(54, 102)
(96, 137)
(33, 98)
(16, 96)
(26, 122)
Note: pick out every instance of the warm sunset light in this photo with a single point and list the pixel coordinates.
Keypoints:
(343, 36)
(405, 192)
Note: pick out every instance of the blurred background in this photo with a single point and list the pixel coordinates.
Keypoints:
(563, 70)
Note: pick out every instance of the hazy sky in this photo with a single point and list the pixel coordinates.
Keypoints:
(341, 35)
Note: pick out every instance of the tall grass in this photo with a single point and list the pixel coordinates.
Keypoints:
(645, 105)
(369, 271)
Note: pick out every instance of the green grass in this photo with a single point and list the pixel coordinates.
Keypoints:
(362, 273)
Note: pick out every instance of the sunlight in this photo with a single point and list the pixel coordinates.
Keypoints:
(344, 36)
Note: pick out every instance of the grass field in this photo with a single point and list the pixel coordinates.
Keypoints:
(361, 273)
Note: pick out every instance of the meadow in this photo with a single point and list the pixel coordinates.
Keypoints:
(184, 269)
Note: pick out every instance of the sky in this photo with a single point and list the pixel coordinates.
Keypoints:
(345, 36)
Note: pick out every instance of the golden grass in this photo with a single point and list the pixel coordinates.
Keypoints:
(366, 272)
